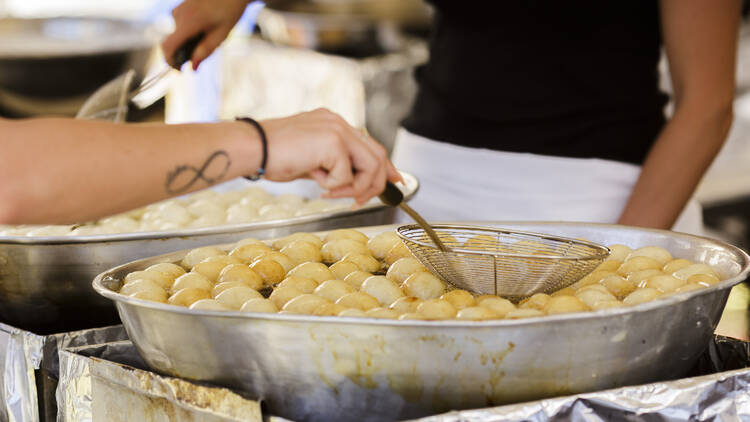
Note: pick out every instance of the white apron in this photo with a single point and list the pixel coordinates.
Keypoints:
(461, 183)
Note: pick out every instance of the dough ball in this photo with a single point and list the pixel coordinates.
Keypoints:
(596, 287)
(304, 285)
(305, 237)
(365, 262)
(406, 304)
(207, 208)
(477, 313)
(537, 301)
(142, 284)
(675, 264)
(686, 272)
(665, 283)
(259, 305)
(249, 241)
(689, 287)
(300, 251)
(274, 212)
(382, 289)
(171, 270)
(241, 214)
(329, 309)
(590, 297)
(313, 270)
(638, 263)
(157, 277)
(607, 304)
(356, 278)
(380, 244)
(269, 270)
(242, 273)
(436, 309)
(524, 313)
(153, 295)
(358, 300)
(188, 296)
(639, 278)
(398, 251)
(332, 290)
(352, 313)
(290, 201)
(459, 299)
(255, 195)
(618, 286)
(199, 254)
(641, 295)
(341, 269)
(619, 252)
(335, 250)
(567, 291)
(660, 255)
(208, 305)
(191, 280)
(609, 265)
(220, 287)
(281, 295)
(400, 270)
(703, 279)
(483, 242)
(424, 286)
(499, 305)
(279, 257)
(316, 206)
(249, 253)
(383, 313)
(304, 304)
(174, 213)
(592, 278)
(412, 316)
(234, 297)
(212, 267)
(349, 234)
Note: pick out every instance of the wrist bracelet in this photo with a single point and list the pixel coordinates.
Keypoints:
(263, 141)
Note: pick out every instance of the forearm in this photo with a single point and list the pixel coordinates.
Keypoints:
(63, 171)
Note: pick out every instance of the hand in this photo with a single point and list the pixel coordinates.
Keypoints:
(215, 18)
(319, 144)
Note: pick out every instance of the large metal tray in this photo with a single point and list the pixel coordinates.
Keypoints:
(327, 368)
(45, 282)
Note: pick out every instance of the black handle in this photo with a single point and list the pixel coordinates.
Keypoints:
(186, 50)
(392, 195)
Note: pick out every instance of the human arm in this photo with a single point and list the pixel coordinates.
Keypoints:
(63, 171)
(700, 39)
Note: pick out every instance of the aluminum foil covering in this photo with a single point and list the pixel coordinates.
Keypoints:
(104, 382)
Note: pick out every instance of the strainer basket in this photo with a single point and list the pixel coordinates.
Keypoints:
(509, 263)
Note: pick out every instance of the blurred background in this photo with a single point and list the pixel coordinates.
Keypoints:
(355, 57)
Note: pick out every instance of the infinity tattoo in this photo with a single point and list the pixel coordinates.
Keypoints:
(197, 173)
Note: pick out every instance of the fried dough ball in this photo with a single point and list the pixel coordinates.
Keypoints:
(157, 277)
(341, 269)
(304, 285)
(537, 301)
(398, 251)
(358, 300)
(482, 242)
(333, 289)
(567, 291)
(593, 278)
(400, 270)
(199, 254)
(406, 304)
(356, 278)
(329, 309)
(269, 270)
(240, 272)
(281, 295)
(382, 289)
(499, 305)
(191, 279)
(703, 279)
(639, 278)
(607, 304)
(234, 297)
(412, 316)
(609, 265)
(436, 309)
(349, 234)
(423, 285)
(383, 313)
(279, 257)
(305, 237)
(313, 270)
(619, 252)
(660, 255)
(590, 297)
(300, 251)
(304, 304)
(352, 313)
(524, 313)
(477, 313)
(460, 299)
(212, 266)
(686, 272)
(139, 285)
(689, 287)
(675, 264)
(596, 287)
(188, 296)
(171, 270)
(208, 305)
(220, 287)
(153, 295)
(249, 253)
(565, 304)
(641, 295)
(259, 305)
(664, 283)
(365, 262)
(638, 263)
(248, 241)
(335, 250)
(380, 244)
(618, 286)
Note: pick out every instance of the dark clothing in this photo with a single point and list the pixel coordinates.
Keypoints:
(566, 78)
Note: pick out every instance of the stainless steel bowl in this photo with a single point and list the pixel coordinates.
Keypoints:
(327, 368)
(45, 282)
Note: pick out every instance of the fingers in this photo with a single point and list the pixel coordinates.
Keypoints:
(210, 42)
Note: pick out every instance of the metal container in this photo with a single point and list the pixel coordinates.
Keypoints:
(329, 368)
(45, 282)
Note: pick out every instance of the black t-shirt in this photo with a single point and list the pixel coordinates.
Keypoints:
(567, 78)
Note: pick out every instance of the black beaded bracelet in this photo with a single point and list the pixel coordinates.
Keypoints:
(264, 142)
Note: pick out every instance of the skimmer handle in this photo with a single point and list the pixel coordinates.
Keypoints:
(186, 50)
(392, 195)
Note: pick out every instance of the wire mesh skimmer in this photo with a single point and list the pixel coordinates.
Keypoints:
(509, 263)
